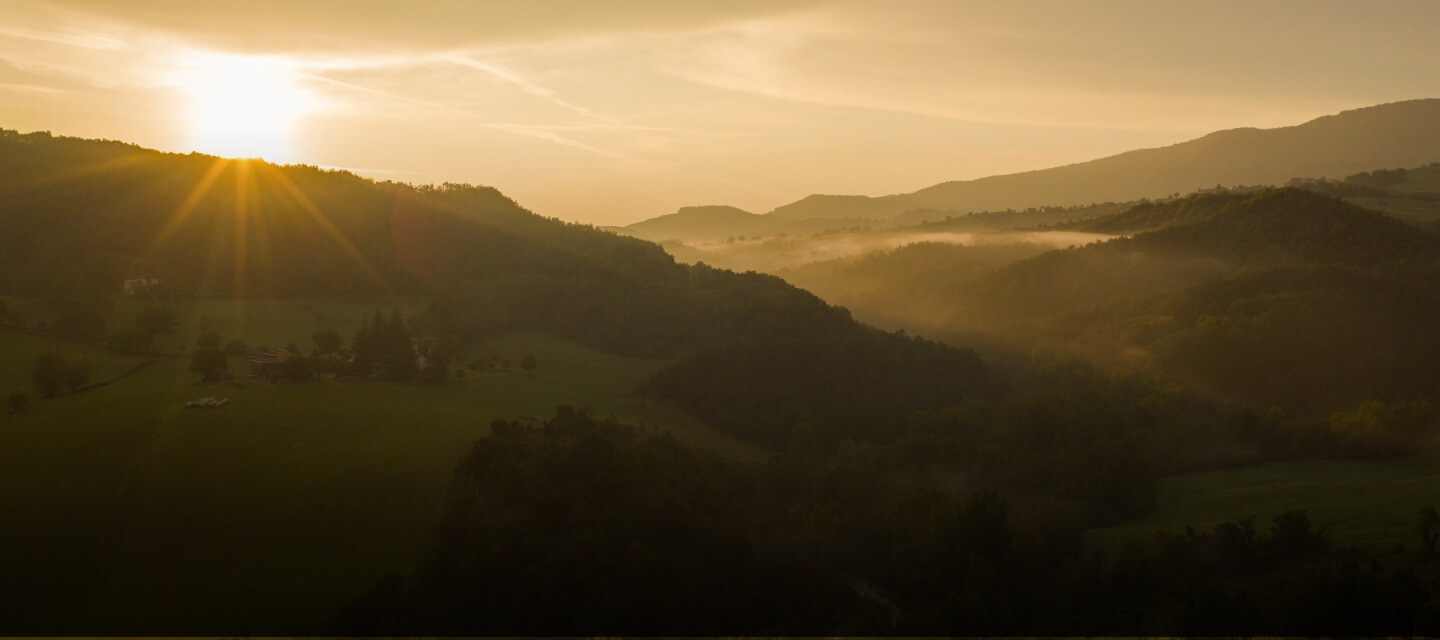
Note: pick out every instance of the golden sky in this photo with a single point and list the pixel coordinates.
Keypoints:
(612, 112)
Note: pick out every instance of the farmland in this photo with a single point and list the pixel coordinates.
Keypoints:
(124, 500)
(1371, 505)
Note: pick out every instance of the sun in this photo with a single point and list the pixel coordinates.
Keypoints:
(244, 106)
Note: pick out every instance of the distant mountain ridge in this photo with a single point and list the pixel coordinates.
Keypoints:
(1389, 135)
(1399, 134)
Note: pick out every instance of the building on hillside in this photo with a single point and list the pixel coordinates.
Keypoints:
(424, 348)
(270, 363)
(140, 285)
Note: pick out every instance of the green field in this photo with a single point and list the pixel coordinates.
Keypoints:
(18, 351)
(124, 508)
(1367, 504)
(260, 322)
(1412, 210)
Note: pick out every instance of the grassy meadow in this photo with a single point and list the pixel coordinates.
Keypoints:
(1414, 210)
(124, 500)
(1369, 504)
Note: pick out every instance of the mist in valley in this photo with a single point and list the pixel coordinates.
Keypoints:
(784, 252)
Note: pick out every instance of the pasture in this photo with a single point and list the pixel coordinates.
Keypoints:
(1413, 210)
(1369, 504)
(125, 510)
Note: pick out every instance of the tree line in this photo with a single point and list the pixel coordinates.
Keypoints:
(585, 526)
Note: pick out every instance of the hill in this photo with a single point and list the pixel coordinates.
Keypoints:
(84, 215)
(702, 224)
(127, 503)
(1388, 135)
(132, 513)
(1275, 297)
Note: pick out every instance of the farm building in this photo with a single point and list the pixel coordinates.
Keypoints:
(270, 363)
(140, 285)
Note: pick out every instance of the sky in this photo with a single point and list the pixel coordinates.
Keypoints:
(613, 112)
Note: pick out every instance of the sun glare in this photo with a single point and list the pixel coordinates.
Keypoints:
(244, 107)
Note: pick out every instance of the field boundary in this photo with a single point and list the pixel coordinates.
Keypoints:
(96, 385)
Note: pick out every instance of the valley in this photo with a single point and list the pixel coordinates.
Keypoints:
(905, 414)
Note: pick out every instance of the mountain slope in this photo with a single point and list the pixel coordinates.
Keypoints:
(1275, 297)
(1282, 297)
(1201, 237)
(1389, 135)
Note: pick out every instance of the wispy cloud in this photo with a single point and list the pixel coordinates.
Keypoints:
(549, 135)
(67, 37)
(527, 86)
(30, 88)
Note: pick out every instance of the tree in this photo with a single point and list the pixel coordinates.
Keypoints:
(388, 343)
(81, 318)
(209, 363)
(18, 400)
(1429, 526)
(435, 371)
(208, 340)
(327, 340)
(297, 369)
(528, 362)
(236, 347)
(437, 362)
(1292, 537)
(52, 374)
(156, 320)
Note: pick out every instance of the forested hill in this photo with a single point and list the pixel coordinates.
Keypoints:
(754, 355)
(83, 215)
(1390, 135)
(1280, 297)
(1282, 224)
(1271, 297)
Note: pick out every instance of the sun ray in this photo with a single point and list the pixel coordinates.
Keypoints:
(87, 169)
(260, 234)
(298, 195)
(241, 248)
(187, 206)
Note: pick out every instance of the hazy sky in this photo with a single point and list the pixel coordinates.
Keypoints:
(611, 112)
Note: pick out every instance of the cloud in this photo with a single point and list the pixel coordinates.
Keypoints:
(528, 87)
(95, 41)
(424, 25)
